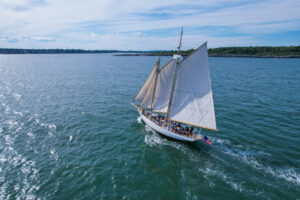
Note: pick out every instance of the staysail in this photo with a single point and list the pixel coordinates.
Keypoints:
(192, 100)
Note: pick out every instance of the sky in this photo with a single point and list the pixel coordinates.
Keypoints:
(148, 25)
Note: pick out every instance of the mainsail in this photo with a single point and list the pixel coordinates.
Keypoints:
(190, 99)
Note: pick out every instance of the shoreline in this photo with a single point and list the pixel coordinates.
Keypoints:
(223, 56)
(150, 54)
(232, 52)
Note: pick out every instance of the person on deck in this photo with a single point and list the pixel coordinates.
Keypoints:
(171, 127)
(191, 130)
(179, 130)
(186, 130)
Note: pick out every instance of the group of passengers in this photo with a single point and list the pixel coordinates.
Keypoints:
(175, 127)
(178, 128)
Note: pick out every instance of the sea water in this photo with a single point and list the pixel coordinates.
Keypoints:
(67, 131)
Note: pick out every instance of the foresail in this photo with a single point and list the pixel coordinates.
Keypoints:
(192, 101)
(147, 100)
(147, 84)
(163, 87)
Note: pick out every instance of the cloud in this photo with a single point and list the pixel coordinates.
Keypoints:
(137, 24)
(8, 39)
(21, 5)
(42, 39)
(96, 36)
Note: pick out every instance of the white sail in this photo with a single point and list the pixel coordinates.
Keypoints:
(163, 87)
(147, 84)
(147, 100)
(192, 101)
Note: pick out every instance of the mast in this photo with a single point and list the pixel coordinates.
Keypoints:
(158, 63)
(180, 40)
(175, 75)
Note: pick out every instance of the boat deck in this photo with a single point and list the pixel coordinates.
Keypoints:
(162, 124)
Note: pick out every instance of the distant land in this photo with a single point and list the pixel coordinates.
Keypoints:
(263, 52)
(291, 51)
(257, 52)
(60, 51)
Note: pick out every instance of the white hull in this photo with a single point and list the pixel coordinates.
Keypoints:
(167, 133)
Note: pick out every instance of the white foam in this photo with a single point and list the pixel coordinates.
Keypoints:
(8, 140)
(17, 96)
(218, 140)
(29, 134)
(53, 154)
(17, 187)
(2, 159)
(210, 172)
(18, 113)
(37, 121)
(51, 127)
(139, 119)
(3, 190)
(288, 174)
(236, 186)
(149, 129)
(14, 125)
(152, 140)
(113, 181)
(27, 173)
(7, 108)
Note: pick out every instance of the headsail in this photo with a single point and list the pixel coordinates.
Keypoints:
(147, 100)
(147, 84)
(192, 101)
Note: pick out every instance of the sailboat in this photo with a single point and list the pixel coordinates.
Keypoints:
(178, 97)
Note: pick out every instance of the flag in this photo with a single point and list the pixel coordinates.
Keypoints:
(206, 140)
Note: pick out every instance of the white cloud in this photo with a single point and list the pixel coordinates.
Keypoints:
(108, 24)
(8, 39)
(43, 39)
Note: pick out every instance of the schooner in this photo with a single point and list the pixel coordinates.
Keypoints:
(178, 96)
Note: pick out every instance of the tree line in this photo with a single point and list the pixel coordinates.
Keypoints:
(256, 51)
(59, 51)
(264, 51)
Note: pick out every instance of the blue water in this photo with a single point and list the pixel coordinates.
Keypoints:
(67, 131)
